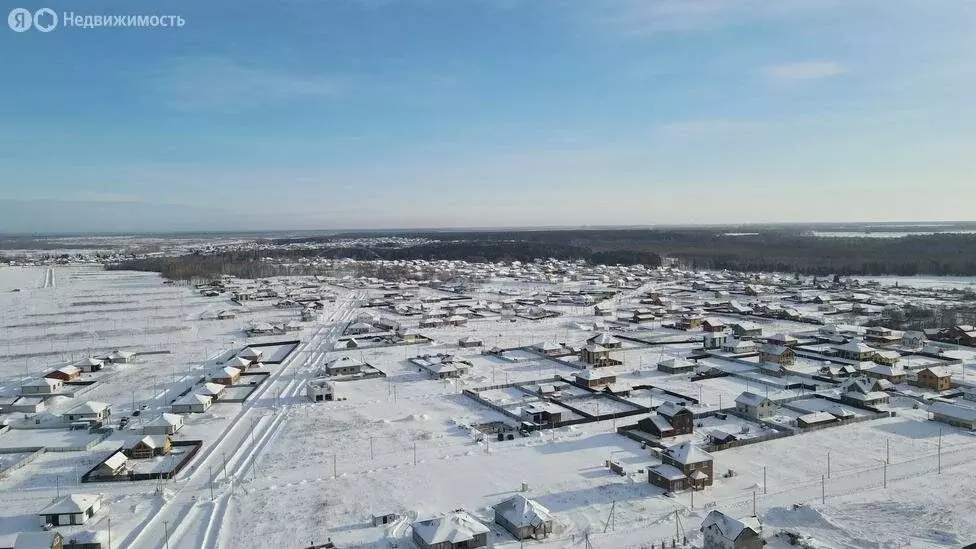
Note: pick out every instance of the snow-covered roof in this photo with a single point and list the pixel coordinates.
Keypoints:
(228, 371)
(72, 503)
(953, 411)
(591, 374)
(603, 339)
(817, 417)
(729, 527)
(193, 398)
(34, 540)
(593, 348)
(748, 398)
(522, 511)
(249, 353)
(90, 407)
(454, 527)
(166, 420)
(855, 347)
(669, 472)
(89, 361)
(686, 453)
(116, 460)
(670, 409)
(939, 371)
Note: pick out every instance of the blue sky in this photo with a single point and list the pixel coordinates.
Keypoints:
(431, 113)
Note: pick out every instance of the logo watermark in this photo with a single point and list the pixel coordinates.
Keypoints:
(46, 20)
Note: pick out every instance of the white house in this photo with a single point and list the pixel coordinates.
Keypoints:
(166, 424)
(91, 411)
(42, 386)
(320, 390)
(754, 406)
(523, 517)
(72, 509)
(191, 403)
(455, 530)
(720, 531)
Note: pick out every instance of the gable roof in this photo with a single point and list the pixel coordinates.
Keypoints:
(748, 398)
(522, 511)
(686, 453)
(72, 503)
(453, 527)
(731, 528)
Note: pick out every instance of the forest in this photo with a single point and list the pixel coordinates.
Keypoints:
(771, 250)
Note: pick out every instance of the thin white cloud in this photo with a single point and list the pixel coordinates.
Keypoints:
(804, 70)
(96, 196)
(649, 17)
(711, 127)
(212, 83)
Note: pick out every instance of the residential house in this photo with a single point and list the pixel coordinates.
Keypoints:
(469, 341)
(954, 414)
(889, 358)
(676, 365)
(682, 466)
(442, 366)
(605, 340)
(738, 346)
(42, 386)
(320, 390)
(601, 310)
(147, 446)
(70, 510)
(879, 335)
(782, 340)
(191, 403)
(66, 373)
(745, 329)
(856, 351)
(720, 531)
(643, 315)
(551, 349)
(542, 413)
(913, 339)
(120, 357)
(455, 530)
(113, 466)
(239, 362)
(894, 374)
(816, 418)
(89, 364)
(39, 540)
(594, 378)
(251, 354)
(360, 328)
(226, 375)
(713, 325)
(165, 424)
(523, 518)
(863, 391)
(937, 378)
(688, 322)
(212, 390)
(668, 420)
(755, 406)
(777, 354)
(714, 340)
(95, 413)
(598, 356)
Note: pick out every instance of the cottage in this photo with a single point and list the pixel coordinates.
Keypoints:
(643, 315)
(523, 518)
(38, 540)
(688, 322)
(598, 356)
(720, 531)
(856, 351)
(754, 406)
(668, 420)
(113, 466)
(745, 329)
(714, 340)
(360, 328)
(344, 367)
(92, 412)
(470, 341)
(442, 366)
(542, 413)
(455, 530)
(165, 424)
(782, 340)
(889, 358)
(676, 365)
(120, 357)
(713, 325)
(815, 418)
(251, 354)
(954, 414)
(551, 349)
(601, 310)
(238, 362)
(147, 446)
(937, 378)
(738, 346)
(43, 386)
(683, 466)
(320, 390)
(227, 375)
(191, 404)
(212, 390)
(605, 340)
(89, 364)
(66, 373)
(594, 378)
(776, 354)
(73, 509)
(894, 374)
(456, 320)
(913, 339)
(880, 335)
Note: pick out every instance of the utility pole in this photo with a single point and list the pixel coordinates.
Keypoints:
(886, 474)
(166, 529)
(109, 532)
(224, 455)
(887, 450)
(335, 468)
(753, 503)
(371, 448)
(415, 454)
(764, 479)
(940, 450)
(823, 490)
(211, 483)
(828, 463)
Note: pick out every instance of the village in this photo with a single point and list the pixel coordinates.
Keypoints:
(457, 405)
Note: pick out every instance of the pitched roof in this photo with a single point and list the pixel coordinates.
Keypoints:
(522, 511)
(729, 527)
(90, 407)
(686, 453)
(453, 527)
(72, 503)
(954, 411)
(750, 399)
(668, 472)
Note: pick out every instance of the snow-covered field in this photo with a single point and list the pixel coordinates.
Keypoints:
(279, 471)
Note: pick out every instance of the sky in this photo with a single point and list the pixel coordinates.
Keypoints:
(321, 114)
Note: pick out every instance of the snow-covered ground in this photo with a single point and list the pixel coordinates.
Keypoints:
(279, 471)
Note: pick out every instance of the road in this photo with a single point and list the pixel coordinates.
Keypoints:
(189, 519)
